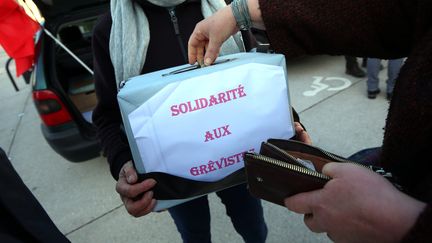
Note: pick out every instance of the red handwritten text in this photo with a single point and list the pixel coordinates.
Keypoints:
(214, 165)
(217, 133)
(202, 103)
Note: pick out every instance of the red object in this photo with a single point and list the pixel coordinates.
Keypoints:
(51, 110)
(17, 31)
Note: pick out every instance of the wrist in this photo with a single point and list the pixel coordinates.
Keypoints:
(117, 162)
(247, 14)
(406, 216)
(255, 14)
(240, 11)
(411, 215)
(420, 230)
(231, 23)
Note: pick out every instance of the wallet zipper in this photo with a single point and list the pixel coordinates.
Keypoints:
(336, 158)
(292, 167)
(331, 156)
(284, 153)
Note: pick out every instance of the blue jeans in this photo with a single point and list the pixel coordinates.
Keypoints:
(368, 156)
(193, 218)
(373, 68)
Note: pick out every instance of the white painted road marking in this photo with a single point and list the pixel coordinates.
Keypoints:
(319, 86)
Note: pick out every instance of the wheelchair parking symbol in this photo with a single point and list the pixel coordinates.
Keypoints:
(329, 83)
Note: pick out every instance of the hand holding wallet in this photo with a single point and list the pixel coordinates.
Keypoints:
(286, 167)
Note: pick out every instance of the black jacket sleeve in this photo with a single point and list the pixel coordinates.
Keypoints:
(106, 115)
(23, 219)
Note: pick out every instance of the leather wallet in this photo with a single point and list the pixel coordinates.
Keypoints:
(287, 167)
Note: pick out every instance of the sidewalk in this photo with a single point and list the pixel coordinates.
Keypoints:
(80, 197)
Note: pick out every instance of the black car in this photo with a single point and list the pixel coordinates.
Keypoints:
(63, 89)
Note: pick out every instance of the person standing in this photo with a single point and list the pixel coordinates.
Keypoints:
(357, 204)
(373, 69)
(137, 37)
(352, 67)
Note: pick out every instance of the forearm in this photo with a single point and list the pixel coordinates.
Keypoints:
(369, 28)
(113, 141)
(255, 14)
(106, 115)
(107, 119)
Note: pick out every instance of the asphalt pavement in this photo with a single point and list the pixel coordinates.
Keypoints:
(80, 197)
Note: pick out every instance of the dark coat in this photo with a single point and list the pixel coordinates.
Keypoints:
(382, 29)
(22, 218)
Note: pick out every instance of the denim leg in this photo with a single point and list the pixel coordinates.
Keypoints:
(368, 156)
(394, 66)
(373, 68)
(193, 220)
(246, 213)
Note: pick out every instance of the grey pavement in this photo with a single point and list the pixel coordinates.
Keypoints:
(80, 197)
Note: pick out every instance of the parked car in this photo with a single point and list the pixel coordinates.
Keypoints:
(63, 90)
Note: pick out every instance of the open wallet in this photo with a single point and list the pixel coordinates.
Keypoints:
(286, 167)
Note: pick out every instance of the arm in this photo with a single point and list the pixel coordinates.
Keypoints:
(371, 28)
(136, 196)
(384, 29)
(106, 116)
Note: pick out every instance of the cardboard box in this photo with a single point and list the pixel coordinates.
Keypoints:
(188, 127)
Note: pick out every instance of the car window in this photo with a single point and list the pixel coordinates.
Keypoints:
(76, 31)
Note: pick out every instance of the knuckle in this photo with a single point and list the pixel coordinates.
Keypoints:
(128, 171)
(118, 188)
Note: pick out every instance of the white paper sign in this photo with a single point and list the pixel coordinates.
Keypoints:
(200, 127)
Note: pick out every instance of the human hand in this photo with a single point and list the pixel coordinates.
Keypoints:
(357, 205)
(301, 134)
(209, 34)
(137, 197)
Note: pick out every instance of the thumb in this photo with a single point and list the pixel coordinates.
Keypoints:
(130, 173)
(301, 203)
(333, 169)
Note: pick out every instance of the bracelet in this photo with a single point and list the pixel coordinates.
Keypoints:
(240, 11)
